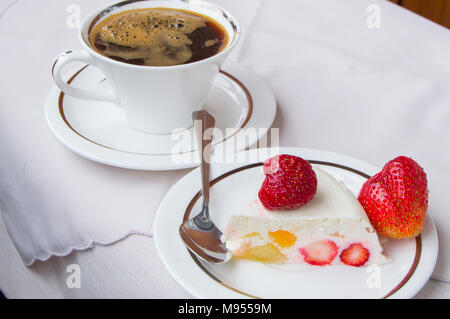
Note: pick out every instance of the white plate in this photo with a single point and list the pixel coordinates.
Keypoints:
(234, 185)
(243, 105)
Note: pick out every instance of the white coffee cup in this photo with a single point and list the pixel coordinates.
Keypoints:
(154, 100)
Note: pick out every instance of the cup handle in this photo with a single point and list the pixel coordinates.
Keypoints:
(86, 94)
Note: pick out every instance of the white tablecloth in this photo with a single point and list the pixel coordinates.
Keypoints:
(340, 86)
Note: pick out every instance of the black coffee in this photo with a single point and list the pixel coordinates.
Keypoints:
(158, 37)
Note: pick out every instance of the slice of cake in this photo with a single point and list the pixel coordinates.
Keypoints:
(331, 228)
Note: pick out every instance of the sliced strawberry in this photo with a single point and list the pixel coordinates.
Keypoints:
(355, 255)
(319, 253)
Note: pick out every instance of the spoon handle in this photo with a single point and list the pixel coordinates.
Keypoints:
(204, 126)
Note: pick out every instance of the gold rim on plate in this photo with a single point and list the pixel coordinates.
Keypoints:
(223, 176)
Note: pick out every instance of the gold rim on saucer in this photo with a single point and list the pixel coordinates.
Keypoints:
(226, 74)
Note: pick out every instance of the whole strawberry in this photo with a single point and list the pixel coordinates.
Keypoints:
(396, 199)
(290, 183)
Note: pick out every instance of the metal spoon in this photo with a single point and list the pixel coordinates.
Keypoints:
(199, 233)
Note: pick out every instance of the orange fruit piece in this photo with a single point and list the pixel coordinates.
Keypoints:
(283, 238)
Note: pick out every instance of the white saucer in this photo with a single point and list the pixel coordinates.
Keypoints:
(234, 185)
(239, 100)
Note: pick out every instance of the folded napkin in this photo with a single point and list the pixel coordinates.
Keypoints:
(52, 200)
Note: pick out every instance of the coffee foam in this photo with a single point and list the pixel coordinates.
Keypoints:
(156, 34)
